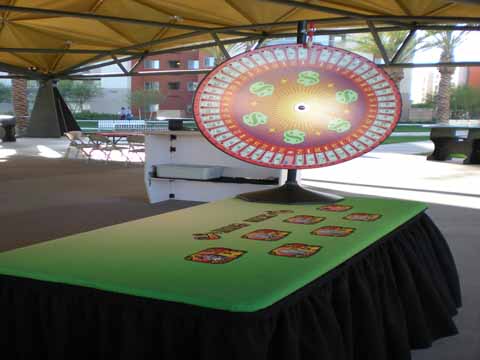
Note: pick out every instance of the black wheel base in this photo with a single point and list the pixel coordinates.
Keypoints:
(290, 193)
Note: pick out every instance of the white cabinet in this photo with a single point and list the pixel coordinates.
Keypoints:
(191, 148)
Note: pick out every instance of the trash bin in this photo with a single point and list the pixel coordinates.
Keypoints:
(8, 124)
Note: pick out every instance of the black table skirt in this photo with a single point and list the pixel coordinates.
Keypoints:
(399, 294)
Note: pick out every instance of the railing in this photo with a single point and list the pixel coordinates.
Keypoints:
(130, 125)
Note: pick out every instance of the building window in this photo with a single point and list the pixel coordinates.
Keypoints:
(209, 61)
(153, 107)
(174, 64)
(174, 85)
(189, 109)
(151, 85)
(192, 85)
(193, 64)
(151, 64)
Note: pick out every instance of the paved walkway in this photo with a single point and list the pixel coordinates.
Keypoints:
(392, 170)
(398, 171)
(55, 148)
(52, 149)
(408, 148)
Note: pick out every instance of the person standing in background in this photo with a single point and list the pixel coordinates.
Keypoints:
(129, 114)
(123, 113)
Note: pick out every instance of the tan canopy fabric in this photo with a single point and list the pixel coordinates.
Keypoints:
(56, 36)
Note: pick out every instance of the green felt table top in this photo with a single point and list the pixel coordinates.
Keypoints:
(160, 258)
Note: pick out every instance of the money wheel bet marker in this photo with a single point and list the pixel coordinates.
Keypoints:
(291, 107)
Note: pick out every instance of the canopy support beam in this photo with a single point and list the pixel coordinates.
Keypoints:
(81, 15)
(20, 71)
(222, 47)
(402, 47)
(329, 10)
(142, 73)
(205, 71)
(119, 64)
(167, 51)
(141, 45)
(138, 63)
(378, 42)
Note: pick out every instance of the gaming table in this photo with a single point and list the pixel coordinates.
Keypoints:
(451, 139)
(117, 136)
(358, 279)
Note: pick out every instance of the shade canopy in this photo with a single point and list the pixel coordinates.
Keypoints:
(39, 37)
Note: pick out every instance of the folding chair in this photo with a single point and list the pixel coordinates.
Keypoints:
(136, 145)
(77, 143)
(105, 145)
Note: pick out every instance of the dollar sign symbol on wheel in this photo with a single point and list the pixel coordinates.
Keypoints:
(339, 125)
(308, 78)
(346, 96)
(261, 89)
(255, 118)
(294, 136)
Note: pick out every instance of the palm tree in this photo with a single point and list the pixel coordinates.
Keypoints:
(20, 104)
(232, 49)
(391, 40)
(447, 41)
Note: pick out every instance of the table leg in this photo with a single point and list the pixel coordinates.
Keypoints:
(474, 155)
(441, 152)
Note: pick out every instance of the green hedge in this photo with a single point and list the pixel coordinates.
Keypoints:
(87, 115)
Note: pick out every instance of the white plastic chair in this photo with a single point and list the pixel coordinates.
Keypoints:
(77, 143)
(105, 145)
(136, 145)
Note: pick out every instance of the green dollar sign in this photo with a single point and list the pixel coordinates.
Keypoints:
(262, 89)
(346, 96)
(339, 125)
(340, 97)
(255, 118)
(294, 136)
(351, 95)
(308, 78)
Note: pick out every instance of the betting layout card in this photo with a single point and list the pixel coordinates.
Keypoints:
(295, 250)
(261, 217)
(336, 231)
(206, 236)
(229, 228)
(217, 255)
(266, 235)
(335, 208)
(362, 217)
(304, 219)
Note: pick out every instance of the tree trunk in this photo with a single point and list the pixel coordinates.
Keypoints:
(20, 104)
(444, 87)
(396, 74)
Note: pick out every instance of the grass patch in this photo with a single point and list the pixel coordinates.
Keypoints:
(411, 128)
(88, 124)
(404, 139)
